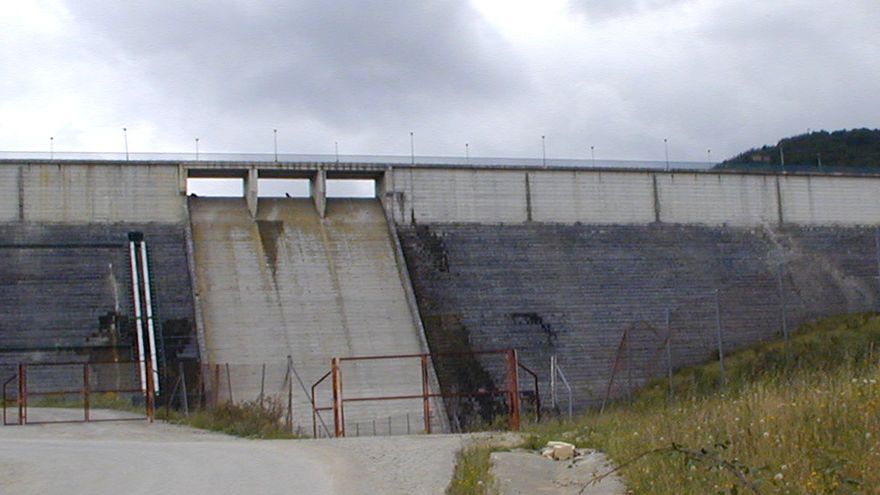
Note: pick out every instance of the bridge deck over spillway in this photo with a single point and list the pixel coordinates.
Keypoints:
(291, 283)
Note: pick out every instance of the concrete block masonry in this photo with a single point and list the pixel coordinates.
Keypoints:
(62, 284)
(571, 291)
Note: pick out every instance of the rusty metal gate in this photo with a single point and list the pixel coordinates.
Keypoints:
(127, 388)
(511, 390)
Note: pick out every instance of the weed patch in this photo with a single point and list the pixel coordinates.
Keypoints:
(248, 419)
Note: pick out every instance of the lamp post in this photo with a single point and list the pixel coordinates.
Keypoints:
(666, 150)
(125, 136)
(275, 143)
(544, 151)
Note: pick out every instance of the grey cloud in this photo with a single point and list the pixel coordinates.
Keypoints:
(740, 73)
(330, 61)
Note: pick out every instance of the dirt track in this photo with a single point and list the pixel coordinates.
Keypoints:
(141, 458)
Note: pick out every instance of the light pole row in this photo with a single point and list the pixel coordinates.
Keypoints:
(412, 150)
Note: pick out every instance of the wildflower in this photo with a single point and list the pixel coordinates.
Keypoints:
(778, 477)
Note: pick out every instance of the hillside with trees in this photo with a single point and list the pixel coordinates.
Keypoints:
(856, 148)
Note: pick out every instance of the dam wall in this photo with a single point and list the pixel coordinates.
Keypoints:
(289, 283)
(566, 262)
(574, 291)
(548, 260)
(65, 278)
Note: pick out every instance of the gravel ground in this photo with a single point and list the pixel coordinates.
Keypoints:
(140, 458)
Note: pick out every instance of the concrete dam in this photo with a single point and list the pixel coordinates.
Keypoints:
(617, 275)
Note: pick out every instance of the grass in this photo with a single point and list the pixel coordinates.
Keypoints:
(798, 420)
(472, 474)
(247, 419)
(99, 400)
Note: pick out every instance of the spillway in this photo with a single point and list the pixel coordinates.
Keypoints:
(290, 283)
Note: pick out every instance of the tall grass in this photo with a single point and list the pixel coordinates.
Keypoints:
(801, 419)
(472, 474)
(254, 419)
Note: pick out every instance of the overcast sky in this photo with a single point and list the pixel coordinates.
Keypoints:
(620, 75)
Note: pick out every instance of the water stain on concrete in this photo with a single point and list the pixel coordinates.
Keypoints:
(270, 232)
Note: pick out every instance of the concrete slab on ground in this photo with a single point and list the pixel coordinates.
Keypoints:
(527, 473)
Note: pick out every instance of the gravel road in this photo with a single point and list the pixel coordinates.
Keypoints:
(140, 458)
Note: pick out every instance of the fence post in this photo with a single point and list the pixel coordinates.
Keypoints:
(338, 426)
(877, 251)
(719, 334)
(229, 384)
(289, 392)
(22, 394)
(151, 392)
(513, 388)
(669, 350)
(216, 385)
(263, 381)
(183, 397)
(426, 402)
(86, 392)
(553, 400)
(782, 305)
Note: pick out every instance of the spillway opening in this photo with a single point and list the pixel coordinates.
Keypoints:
(283, 188)
(351, 188)
(215, 187)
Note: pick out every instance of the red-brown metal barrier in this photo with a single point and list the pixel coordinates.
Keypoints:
(36, 382)
(511, 390)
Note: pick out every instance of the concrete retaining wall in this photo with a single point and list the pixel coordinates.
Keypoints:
(511, 196)
(715, 199)
(830, 201)
(91, 193)
(153, 192)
